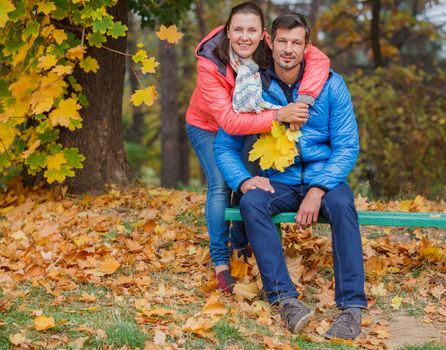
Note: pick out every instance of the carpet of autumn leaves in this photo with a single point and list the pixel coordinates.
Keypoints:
(123, 241)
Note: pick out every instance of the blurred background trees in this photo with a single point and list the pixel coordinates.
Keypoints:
(392, 55)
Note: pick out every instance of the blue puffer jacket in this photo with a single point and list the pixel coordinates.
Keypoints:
(328, 147)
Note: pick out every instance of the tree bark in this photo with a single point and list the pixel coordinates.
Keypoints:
(136, 128)
(375, 34)
(188, 71)
(170, 147)
(200, 18)
(101, 137)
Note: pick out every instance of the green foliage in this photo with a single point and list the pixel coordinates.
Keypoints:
(166, 12)
(401, 121)
(40, 45)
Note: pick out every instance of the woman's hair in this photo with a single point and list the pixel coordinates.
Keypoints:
(262, 55)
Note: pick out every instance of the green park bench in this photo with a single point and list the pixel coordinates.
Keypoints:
(375, 218)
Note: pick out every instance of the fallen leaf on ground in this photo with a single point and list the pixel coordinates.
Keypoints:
(42, 323)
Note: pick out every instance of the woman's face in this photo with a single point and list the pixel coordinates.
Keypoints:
(245, 33)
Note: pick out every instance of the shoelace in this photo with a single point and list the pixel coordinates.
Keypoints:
(345, 318)
(287, 311)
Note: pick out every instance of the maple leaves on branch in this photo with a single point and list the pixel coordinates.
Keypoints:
(39, 94)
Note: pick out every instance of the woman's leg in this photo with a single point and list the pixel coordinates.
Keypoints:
(218, 195)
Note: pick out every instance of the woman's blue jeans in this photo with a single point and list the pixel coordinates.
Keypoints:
(218, 196)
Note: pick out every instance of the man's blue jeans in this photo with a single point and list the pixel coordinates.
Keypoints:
(218, 196)
(257, 208)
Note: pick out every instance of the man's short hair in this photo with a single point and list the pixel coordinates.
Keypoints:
(290, 20)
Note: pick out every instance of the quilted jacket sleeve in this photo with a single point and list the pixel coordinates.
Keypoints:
(219, 103)
(317, 67)
(227, 151)
(344, 138)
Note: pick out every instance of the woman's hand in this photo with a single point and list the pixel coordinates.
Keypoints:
(294, 113)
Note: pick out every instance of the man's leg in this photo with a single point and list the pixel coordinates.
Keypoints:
(339, 208)
(257, 208)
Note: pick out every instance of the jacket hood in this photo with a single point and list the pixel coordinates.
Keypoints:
(206, 47)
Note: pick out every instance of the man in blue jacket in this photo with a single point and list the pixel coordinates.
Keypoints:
(316, 182)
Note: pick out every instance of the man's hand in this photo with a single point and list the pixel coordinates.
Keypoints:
(309, 208)
(257, 182)
(294, 113)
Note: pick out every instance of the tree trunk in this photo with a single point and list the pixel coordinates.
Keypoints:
(136, 128)
(200, 18)
(101, 136)
(313, 16)
(170, 148)
(188, 70)
(375, 34)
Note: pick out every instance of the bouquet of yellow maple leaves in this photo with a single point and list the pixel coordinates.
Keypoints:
(276, 149)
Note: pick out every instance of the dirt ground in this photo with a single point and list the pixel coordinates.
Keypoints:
(406, 330)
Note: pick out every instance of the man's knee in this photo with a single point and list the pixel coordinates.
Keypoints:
(254, 201)
(339, 198)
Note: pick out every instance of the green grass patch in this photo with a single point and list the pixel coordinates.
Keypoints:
(426, 346)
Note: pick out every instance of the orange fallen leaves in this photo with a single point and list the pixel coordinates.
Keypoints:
(125, 240)
(42, 323)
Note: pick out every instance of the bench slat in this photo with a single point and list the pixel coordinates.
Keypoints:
(376, 218)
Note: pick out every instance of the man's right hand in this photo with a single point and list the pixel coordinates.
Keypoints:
(294, 113)
(259, 182)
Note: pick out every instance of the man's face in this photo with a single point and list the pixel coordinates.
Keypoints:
(289, 47)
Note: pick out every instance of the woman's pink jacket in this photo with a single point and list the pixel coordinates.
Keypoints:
(210, 107)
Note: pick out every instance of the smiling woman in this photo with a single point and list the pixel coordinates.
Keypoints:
(245, 33)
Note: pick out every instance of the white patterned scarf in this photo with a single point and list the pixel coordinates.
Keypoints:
(247, 95)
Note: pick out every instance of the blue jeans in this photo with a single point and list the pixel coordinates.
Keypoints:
(257, 208)
(218, 196)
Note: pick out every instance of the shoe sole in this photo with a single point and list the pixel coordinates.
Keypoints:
(334, 337)
(303, 322)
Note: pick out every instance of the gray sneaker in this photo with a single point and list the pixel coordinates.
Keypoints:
(346, 325)
(295, 314)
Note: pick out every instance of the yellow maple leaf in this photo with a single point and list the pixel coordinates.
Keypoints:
(76, 53)
(31, 149)
(61, 70)
(47, 61)
(274, 152)
(199, 325)
(147, 96)
(55, 161)
(246, 290)
(293, 135)
(379, 290)
(67, 111)
(149, 65)
(89, 64)
(396, 302)
(42, 323)
(47, 30)
(7, 136)
(17, 339)
(52, 85)
(59, 36)
(45, 7)
(277, 129)
(169, 33)
(21, 54)
(109, 266)
(41, 103)
(6, 6)
(24, 85)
